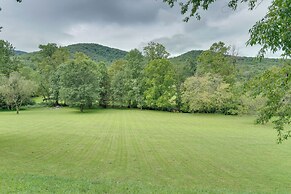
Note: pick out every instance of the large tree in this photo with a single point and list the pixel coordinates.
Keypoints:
(207, 93)
(51, 57)
(126, 80)
(16, 89)
(81, 82)
(134, 78)
(118, 83)
(160, 85)
(216, 60)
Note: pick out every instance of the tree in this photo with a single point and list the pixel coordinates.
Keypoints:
(155, 51)
(80, 82)
(134, 78)
(160, 85)
(104, 85)
(275, 85)
(273, 32)
(7, 62)
(216, 61)
(126, 80)
(118, 85)
(207, 93)
(51, 57)
(16, 89)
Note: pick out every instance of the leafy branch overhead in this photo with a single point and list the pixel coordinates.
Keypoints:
(273, 32)
(191, 8)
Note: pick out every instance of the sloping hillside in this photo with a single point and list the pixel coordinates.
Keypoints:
(249, 66)
(186, 57)
(17, 52)
(97, 52)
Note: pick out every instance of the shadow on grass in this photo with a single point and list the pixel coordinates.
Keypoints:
(86, 111)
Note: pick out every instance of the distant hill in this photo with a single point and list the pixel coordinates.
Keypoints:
(250, 66)
(17, 52)
(97, 52)
(188, 56)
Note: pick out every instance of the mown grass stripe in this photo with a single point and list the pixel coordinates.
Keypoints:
(139, 151)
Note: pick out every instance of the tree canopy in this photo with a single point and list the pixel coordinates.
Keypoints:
(155, 51)
(16, 89)
(273, 32)
(80, 81)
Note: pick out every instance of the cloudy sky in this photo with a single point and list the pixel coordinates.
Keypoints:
(125, 24)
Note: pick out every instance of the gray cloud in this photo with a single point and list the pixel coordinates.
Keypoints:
(124, 24)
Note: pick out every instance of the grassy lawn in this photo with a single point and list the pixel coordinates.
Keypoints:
(131, 151)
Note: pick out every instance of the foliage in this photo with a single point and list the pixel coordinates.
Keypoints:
(118, 86)
(186, 64)
(206, 94)
(155, 51)
(160, 85)
(15, 89)
(104, 85)
(195, 5)
(273, 31)
(127, 80)
(134, 78)
(8, 64)
(275, 86)
(80, 82)
(50, 58)
(216, 61)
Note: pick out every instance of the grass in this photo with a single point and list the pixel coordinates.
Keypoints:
(48, 150)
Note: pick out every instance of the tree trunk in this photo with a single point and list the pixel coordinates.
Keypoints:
(82, 108)
(17, 109)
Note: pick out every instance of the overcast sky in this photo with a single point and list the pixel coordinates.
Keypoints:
(125, 24)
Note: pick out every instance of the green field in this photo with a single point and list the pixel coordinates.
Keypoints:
(131, 151)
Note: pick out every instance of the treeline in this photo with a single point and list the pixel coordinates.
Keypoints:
(149, 80)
